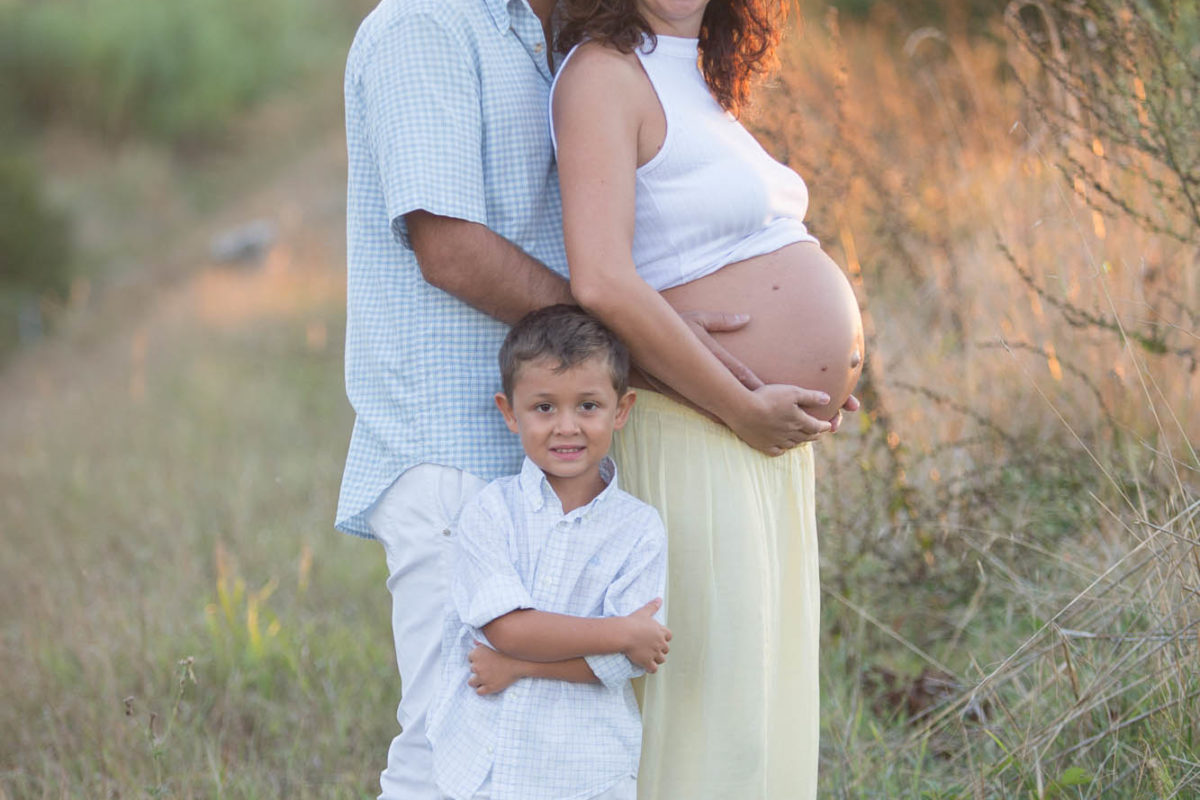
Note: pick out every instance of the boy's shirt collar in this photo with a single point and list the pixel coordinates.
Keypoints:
(536, 489)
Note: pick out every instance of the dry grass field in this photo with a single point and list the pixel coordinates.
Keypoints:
(1009, 543)
(1010, 529)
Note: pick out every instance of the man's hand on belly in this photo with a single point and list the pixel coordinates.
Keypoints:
(705, 323)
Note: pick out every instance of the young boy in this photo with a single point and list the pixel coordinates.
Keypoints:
(556, 587)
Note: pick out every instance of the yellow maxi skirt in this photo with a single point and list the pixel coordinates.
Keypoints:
(733, 714)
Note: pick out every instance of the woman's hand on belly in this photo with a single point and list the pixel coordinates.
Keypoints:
(805, 328)
(706, 323)
(774, 419)
(850, 405)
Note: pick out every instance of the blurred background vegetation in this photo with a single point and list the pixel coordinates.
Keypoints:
(1010, 552)
(174, 76)
(174, 71)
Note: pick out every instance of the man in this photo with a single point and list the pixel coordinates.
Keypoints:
(454, 231)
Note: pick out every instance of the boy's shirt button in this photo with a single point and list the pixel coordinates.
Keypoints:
(445, 531)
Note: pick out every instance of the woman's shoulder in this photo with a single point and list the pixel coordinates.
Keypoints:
(595, 60)
(600, 81)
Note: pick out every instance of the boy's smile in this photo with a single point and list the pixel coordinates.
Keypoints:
(566, 420)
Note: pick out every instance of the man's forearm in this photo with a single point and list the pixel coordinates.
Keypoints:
(532, 635)
(482, 268)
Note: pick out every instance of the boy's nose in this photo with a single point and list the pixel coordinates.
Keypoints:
(566, 423)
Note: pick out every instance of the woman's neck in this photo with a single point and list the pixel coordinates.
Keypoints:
(684, 24)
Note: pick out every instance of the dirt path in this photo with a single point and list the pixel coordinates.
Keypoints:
(107, 338)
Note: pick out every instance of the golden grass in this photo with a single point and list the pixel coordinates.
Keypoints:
(1015, 522)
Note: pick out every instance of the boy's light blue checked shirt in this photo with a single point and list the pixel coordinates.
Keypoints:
(514, 548)
(446, 112)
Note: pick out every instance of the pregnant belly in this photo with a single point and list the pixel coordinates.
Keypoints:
(805, 328)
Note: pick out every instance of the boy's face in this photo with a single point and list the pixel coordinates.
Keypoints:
(566, 422)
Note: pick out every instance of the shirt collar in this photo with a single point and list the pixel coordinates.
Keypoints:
(534, 485)
(501, 15)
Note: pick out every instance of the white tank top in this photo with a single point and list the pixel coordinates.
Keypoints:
(711, 196)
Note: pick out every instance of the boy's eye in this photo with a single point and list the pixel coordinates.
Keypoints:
(589, 405)
(544, 408)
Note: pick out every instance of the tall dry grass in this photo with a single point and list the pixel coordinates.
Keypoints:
(177, 616)
(1010, 540)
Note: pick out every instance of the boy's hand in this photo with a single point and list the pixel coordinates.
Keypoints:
(646, 638)
(492, 671)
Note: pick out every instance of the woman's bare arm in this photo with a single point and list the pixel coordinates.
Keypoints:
(597, 116)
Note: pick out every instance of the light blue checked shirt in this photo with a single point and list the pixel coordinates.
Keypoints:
(446, 112)
(514, 548)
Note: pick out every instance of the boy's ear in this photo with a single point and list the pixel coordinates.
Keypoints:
(510, 419)
(624, 405)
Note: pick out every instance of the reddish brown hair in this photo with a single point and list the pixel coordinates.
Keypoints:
(738, 38)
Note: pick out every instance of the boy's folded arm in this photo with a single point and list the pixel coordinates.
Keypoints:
(627, 629)
(573, 670)
(532, 635)
(542, 636)
(493, 672)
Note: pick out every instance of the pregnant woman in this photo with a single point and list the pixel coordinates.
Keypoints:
(670, 205)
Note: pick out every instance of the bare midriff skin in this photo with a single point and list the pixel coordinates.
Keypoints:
(805, 328)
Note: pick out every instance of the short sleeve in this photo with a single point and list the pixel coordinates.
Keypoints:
(612, 669)
(485, 585)
(422, 113)
(642, 578)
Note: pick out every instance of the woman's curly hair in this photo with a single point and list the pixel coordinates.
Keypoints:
(738, 38)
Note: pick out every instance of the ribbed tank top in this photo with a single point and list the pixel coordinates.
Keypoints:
(711, 196)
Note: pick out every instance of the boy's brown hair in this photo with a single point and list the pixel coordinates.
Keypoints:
(566, 334)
